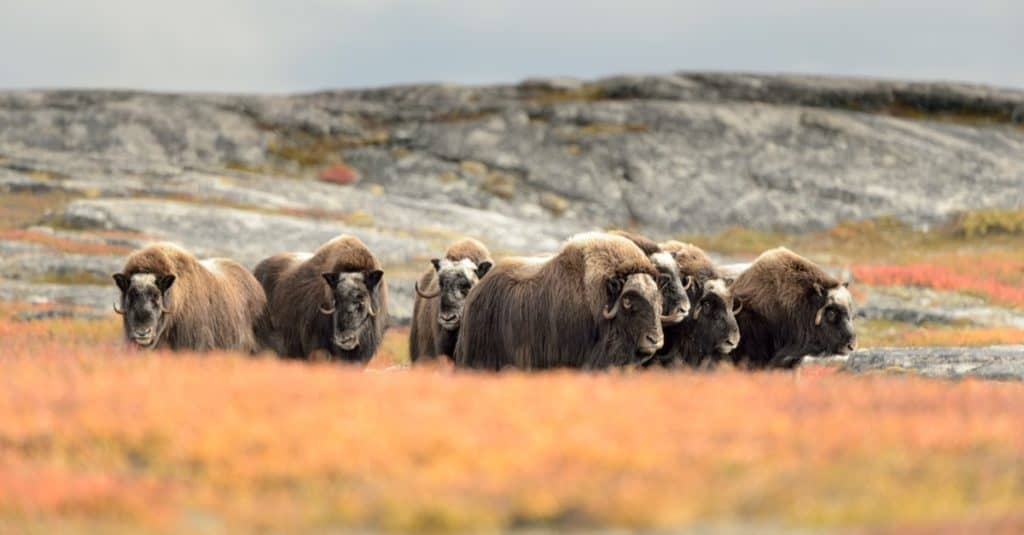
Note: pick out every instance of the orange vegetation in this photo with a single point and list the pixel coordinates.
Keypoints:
(64, 245)
(93, 434)
(996, 276)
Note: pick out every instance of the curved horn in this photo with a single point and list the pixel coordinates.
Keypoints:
(327, 311)
(118, 310)
(163, 307)
(689, 282)
(696, 312)
(737, 306)
(817, 317)
(369, 309)
(611, 312)
(425, 295)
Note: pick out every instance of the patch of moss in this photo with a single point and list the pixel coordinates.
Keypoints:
(310, 151)
(989, 223)
(553, 96)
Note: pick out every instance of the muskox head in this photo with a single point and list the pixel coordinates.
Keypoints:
(455, 279)
(831, 332)
(633, 309)
(351, 305)
(714, 318)
(675, 302)
(143, 305)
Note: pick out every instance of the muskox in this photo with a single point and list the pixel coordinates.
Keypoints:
(331, 303)
(791, 309)
(441, 295)
(169, 299)
(710, 331)
(592, 305)
(675, 302)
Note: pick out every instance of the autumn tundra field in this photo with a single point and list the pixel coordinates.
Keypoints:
(95, 437)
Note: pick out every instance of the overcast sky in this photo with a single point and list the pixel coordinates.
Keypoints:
(268, 46)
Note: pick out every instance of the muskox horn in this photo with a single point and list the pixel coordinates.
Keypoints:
(737, 306)
(425, 295)
(163, 308)
(369, 309)
(612, 311)
(696, 312)
(689, 282)
(817, 317)
(118, 309)
(327, 311)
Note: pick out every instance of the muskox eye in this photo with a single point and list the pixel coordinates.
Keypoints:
(706, 307)
(831, 315)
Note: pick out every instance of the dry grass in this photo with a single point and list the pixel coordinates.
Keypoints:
(879, 333)
(96, 437)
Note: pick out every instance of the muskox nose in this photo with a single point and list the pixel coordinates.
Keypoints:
(651, 344)
(144, 332)
(449, 316)
(852, 345)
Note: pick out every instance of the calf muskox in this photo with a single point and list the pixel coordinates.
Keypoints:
(710, 331)
(440, 296)
(171, 299)
(791, 308)
(593, 305)
(332, 301)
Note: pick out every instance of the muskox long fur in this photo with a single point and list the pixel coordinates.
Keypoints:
(791, 309)
(188, 304)
(304, 308)
(554, 312)
(443, 288)
(710, 331)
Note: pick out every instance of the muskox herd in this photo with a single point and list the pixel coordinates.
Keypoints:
(604, 299)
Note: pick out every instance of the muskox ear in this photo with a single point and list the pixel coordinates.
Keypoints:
(437, 263)
(483, 268)
(331, 278)
(164, 282)
(372, 278)
(122, 281)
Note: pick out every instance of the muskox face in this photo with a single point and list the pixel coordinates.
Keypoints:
(675, 303)
(633, 310)
(455, 279)
(352, 305)
(832, 332)
(714, 317)
(143, 306)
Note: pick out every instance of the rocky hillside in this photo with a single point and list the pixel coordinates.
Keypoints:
(87, 175)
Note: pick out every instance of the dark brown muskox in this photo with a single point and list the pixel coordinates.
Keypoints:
(170, 299)
(710, 331)
(675, 302)
(332, 302)
(440, 295)
(593, 305)
(791, 309)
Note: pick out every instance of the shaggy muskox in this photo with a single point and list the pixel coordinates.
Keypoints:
(440, 295)
(710, 331)
(170, 299)
(791, 309)
(593, 305)
(333, 301)
(675, 303)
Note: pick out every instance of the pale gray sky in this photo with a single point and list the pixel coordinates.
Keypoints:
(271, 46)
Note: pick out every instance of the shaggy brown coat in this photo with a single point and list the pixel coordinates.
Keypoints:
(786, 299)
(296, 290)
(427, 338)
(548, 312)
(213, 304)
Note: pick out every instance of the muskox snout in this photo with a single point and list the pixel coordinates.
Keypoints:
(143, 337)
(651, 344)
(346, 342)
(728, 345)
(448, 320)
